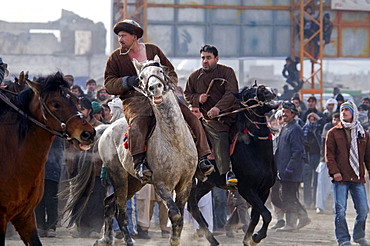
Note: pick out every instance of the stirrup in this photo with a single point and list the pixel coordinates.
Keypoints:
(231, 178)
(143, 172)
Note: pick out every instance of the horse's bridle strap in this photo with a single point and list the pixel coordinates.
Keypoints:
(7, 101)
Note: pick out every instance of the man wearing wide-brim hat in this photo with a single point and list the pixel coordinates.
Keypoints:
(120, 78)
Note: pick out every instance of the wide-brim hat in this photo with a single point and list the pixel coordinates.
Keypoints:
(129, 26)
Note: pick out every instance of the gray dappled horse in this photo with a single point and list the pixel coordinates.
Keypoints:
(171, 154)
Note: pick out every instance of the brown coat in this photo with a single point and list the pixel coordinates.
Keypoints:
(220, 95)
(337, 147)
(118, 66)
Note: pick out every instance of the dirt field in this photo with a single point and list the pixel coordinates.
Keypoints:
(319, 232)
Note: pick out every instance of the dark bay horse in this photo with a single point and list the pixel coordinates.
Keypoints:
(28, 125)
(171, 154)
(252, 161)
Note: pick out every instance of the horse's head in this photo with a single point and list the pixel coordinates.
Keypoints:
(257, 95)
(154, 82)
(257, 102)
(56, 107)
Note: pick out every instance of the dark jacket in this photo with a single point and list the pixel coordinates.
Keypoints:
(337, 147)
(290, 152)
(55, 160)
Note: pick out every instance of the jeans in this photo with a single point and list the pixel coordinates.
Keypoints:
(358, 194)
(219, 208)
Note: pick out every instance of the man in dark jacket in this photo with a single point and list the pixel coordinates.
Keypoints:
(47, 210)
(289, 158)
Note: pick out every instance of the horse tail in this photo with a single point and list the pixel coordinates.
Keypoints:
(83, 183)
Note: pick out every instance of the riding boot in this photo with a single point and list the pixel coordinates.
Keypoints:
(291, 223)
(205, 166)
(141, 167)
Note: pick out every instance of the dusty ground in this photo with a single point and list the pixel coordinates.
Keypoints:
(319, 232)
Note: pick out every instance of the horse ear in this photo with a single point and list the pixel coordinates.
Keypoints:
(255, 83)
(156, 59)
(35, 86)
(237, 95)
(137, 66)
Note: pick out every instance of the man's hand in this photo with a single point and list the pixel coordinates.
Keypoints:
(132, 81)
(213, 112)
(203, 98)
(337, 177)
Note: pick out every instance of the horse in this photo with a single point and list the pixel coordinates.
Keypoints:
(15, 87)
(252, 162)
(28, 125)
(171, 154)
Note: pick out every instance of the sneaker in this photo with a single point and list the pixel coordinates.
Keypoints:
(231, 178)
(319, 211)
(51, 233)
(143, 234)
(363, 242)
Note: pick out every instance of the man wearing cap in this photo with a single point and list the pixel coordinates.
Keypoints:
(347, 153)
(120, 78)
(289, 158)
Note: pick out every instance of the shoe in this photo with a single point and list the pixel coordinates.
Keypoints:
(42, 233)
(143, 234)
(231, 178)
(165, 234)
(304, 222)
(230, 234)
(119, 235)
(51, 233)
(205, 166)
(279, 224)
(95, 235)
(319, 211)
(363, 242)
(143, 171)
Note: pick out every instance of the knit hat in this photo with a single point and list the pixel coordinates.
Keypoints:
(348, 105)
(95, 107)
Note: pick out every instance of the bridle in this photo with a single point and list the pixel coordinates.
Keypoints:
(45, 110)
(166, 81)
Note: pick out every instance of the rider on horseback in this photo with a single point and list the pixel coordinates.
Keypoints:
(121, 77)
(211, 89)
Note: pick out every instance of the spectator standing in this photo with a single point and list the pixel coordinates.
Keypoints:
(312, 136)
(47, 210)
(311, 104)
(323, 179)
(289, 158)
(91, 89)
(330, 108)
(70, 79)
(347, 153)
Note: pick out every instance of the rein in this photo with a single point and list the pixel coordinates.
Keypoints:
(63, 125)
(8, 91)
(165, 81)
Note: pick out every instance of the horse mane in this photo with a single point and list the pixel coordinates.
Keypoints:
(49, 83)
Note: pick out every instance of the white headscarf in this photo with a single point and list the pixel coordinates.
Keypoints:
(116, 108)
(331, 101)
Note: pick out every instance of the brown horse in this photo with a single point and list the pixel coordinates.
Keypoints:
(28, 124)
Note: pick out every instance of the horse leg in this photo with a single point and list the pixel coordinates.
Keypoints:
(26, 227)
(109, 211)
(198, 190)
(174, 213)
(258, 208)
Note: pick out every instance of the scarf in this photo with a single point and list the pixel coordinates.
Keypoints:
(356, 128)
